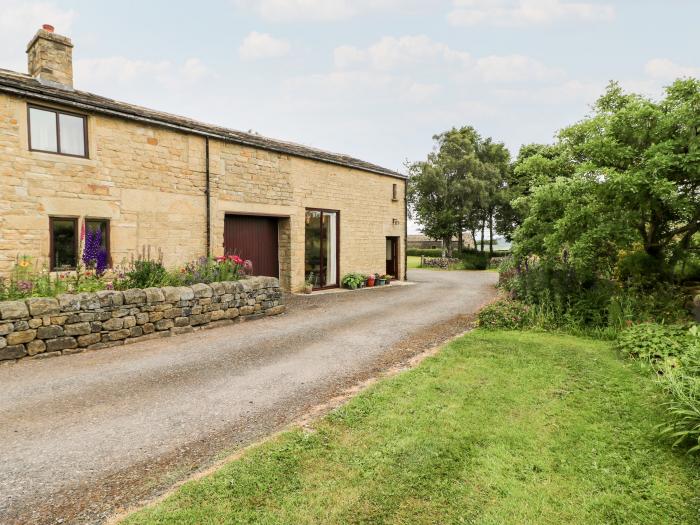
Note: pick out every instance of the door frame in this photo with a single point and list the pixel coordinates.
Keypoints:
(337, 247)
(394, 254)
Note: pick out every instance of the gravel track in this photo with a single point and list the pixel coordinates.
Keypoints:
(88, 435)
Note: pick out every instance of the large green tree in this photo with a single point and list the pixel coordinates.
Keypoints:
(630, 181)
(456, 185)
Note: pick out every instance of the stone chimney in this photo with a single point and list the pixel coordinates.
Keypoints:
(50, 58)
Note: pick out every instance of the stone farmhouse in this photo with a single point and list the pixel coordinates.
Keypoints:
(72, 160)
(420, 241)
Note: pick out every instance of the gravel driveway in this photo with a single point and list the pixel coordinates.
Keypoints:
(87, 435)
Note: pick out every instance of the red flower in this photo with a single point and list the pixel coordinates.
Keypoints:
(220, 259)
(237, 259)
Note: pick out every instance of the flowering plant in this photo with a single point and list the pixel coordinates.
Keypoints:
(94, 255)
(209, 270)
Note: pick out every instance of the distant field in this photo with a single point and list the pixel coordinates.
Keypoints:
(413, 261)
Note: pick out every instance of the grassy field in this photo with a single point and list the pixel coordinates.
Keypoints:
(413, 261)
(499, 428)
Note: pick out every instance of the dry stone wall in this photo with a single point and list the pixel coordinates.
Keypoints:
(43, 327)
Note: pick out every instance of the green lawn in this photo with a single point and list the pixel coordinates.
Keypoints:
(499, 428)
(413, 261)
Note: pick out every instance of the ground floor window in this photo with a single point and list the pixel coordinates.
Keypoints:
(64, 243)
(321, 243)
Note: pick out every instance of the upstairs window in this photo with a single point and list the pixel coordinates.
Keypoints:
(395, 192)
(54, 131)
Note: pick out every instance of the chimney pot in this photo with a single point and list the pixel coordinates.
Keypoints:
(48, 27)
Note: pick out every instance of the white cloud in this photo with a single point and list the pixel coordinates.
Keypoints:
(193, 70)
(417, 54)
(118, 69)
(18, 23)
(511, 13)
(515, 68)
(103, 75)
(419, 92)
(665, 69)
(406, 51)
(566, 92)
(262, 45)
(319, 10)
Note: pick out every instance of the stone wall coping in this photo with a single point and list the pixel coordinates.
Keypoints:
(74, 302)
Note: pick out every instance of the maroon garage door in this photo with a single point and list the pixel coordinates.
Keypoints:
(255, 238)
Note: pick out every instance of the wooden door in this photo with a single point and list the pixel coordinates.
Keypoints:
(392, 256)
(255, 238)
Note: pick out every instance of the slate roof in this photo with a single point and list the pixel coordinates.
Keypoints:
(26, 86)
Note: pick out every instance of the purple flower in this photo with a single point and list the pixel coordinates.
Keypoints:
(93, 240)
(25, 286)
(101, 262)
(94, 255)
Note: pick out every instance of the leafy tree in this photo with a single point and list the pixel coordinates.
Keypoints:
(535, 165)
(444, 188)
(629, 183)
(456, 187)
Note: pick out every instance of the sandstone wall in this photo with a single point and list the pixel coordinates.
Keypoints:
(45, 327)
(150, 183)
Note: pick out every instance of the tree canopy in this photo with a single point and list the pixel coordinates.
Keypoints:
(625, 179)
(458, 185)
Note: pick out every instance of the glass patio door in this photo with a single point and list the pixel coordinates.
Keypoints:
(321, 242)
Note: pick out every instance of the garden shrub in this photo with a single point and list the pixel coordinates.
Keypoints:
(682, 383)
(210, 270)
(654, 342)
(353, 280)
(504, 314)
(144, 273)
(591, 301)
(475, 260)
(673, 351)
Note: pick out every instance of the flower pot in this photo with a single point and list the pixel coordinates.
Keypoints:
(370, 281)
(381, 282)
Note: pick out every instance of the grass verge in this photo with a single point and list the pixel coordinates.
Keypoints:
(413, 261)
(498, 428)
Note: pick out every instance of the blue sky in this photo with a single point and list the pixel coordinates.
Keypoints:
(371, 78)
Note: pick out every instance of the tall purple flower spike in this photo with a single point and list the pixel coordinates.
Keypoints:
(93, 253)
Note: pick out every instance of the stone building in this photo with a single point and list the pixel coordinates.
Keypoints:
(420, 241)
(71, 161)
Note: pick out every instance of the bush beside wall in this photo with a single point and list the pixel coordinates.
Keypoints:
(44, 326)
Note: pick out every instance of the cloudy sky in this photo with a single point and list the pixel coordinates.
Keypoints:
(371, 78)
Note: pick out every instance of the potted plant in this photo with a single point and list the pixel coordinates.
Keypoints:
(309, 283)
(370, 281)
(353, 280)
(387, 278)
(380, 280)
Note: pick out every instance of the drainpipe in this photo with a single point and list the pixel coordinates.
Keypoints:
(207, 193)
(405, 230)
